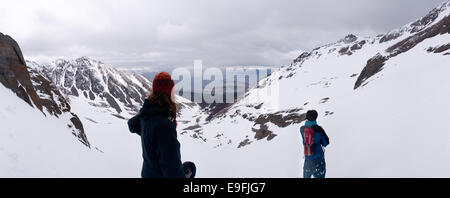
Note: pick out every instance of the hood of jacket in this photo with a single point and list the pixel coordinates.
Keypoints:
(149, 110)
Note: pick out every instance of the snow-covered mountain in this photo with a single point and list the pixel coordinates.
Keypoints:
(383, 101)
(97, 83)
(44, 106)
(317, 78)
(34, 89)
(122, 93)
(90, 83)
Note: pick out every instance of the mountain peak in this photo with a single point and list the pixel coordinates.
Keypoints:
(87, 61)
(97, 82)
(84, 58)
(433, 17)
(350, 38)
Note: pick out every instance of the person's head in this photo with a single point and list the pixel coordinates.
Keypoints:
(311, 115)
(162, 93)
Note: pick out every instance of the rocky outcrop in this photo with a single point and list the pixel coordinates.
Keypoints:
(300, 59)
(349, 50)
(374, 65)
(349, 39)
(244, 143)
(50, 97)
(78, 129)
(439, 49)
(282, 118)
(34, 88)
(442, 27)
(14, 73)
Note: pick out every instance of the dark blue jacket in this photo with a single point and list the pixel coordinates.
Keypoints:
(160, 146)
(320, 139)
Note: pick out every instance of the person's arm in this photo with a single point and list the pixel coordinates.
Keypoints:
(325, 140)
(169, 151)
(301, 133)
(134, 125)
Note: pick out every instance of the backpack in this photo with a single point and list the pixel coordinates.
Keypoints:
(309, 144)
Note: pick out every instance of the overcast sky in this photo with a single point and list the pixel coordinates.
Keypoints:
(166, 33)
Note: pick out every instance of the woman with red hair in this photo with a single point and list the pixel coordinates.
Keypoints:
(156, 124)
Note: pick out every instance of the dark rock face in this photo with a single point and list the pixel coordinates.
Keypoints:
(32, 87)
(358, 45)
(193, 127)
(44, 88)
(263, 132)
(374, 65)
(324, 100)
(244, 143)
(79, 130)
(91, 95)
(349, 50)
(345, 51)
(14, 74)
(439, 49)
(74, 92)
(112, 102)
(282, 119)
(302, 57)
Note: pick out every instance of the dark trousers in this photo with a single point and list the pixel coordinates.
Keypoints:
(314, 167)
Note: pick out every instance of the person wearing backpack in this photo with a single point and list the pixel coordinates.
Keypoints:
(314, 141)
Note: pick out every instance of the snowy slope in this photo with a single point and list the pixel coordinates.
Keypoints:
(35, 137)
(384, 118)
(32, 145)
(382, 100)
(112, 145)
(38, 125)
